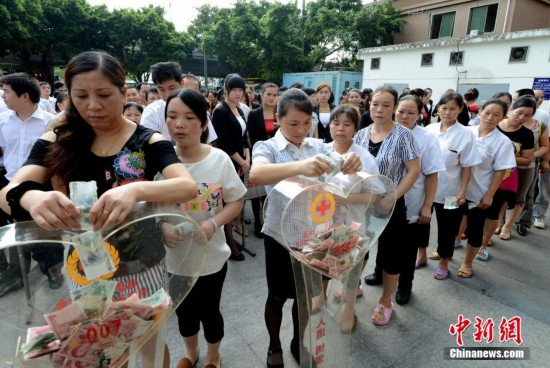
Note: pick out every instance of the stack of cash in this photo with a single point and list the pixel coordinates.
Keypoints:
(334, 251)
(94, 331)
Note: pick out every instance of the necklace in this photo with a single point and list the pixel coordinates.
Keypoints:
(105, 153)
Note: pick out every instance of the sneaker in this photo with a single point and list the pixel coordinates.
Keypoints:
(538, 223)
(521, 229)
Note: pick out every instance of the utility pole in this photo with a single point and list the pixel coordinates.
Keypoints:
(205, 69)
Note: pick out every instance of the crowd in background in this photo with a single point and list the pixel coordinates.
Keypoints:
(482, 167)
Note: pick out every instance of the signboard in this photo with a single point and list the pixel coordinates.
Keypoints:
(542, 84)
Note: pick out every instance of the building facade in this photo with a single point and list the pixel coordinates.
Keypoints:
(433, 19)
(498, 45)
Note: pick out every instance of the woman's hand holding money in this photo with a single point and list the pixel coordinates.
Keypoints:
(51, 210)
(170, 237)
(314, 166)
(352, 163)
(113, 206)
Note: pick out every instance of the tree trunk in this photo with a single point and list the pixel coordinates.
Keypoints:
(46, 67)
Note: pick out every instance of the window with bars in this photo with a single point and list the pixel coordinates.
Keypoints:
(483, 18)
(442, 25)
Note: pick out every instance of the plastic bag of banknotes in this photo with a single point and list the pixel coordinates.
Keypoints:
(93, 299)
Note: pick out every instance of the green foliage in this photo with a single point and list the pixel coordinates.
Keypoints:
(254, 38)
(140, 38)
(330, 28)
(55, 30)
(267, 39)
(378, 24)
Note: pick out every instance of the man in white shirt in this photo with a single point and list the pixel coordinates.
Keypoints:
(541, 115)
(168, 78)
(20, 127)
(47, 103)
(3, 106)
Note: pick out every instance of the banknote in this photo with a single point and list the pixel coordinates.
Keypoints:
(159, 301)
(40, 341)
(93, 298)
(84, 195)
(94, 256)
(63, 320)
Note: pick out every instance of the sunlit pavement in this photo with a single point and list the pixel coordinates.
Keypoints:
(514, 282)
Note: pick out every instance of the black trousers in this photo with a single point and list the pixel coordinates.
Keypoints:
(448, 224)
(393, 241)
(203, 305)
(419, 236)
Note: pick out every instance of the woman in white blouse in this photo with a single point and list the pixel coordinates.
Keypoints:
(419, 199)
(497, 155)
(460, 153)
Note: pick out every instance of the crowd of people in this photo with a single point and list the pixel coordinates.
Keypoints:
(482, 169)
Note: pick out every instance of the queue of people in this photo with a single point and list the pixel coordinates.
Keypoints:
(470, 167)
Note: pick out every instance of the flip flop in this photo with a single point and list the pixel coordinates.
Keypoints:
(483, 254)
(465, 272)
(418, 265)
(434, 256)
(458, 244)
(385, 311)
(440, 274)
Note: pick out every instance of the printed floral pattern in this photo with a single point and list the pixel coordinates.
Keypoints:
(209, 198)
(129, 166)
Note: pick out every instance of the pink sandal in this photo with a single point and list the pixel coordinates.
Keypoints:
(386, 312)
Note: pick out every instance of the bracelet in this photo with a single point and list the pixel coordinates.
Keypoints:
(160, 223)
(14, 195)
(211, 219)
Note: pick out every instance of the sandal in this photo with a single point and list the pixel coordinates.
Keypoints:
(186, 363)
(505, 234)
(386, 312)
(340, 291)
(434, 256)
(348, 326)
(465, 272)
(420, 264)
(483, 254)
(440, 274)
(271, 352)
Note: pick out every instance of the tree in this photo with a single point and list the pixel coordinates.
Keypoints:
(330, 28)
(281, 42)
(140, 38)
(234, 38)
(204, 21)
(377, 24)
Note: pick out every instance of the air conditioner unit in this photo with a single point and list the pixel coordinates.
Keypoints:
(475, 32)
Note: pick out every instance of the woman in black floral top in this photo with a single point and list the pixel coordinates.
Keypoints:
(96, 142)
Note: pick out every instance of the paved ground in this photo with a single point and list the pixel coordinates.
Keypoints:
(515, 281)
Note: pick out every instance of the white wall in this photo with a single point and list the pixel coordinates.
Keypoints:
(485, 62)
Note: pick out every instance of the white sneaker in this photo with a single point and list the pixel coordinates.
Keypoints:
(538, 223)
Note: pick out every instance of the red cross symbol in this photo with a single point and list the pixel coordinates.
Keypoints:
(323, 207)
